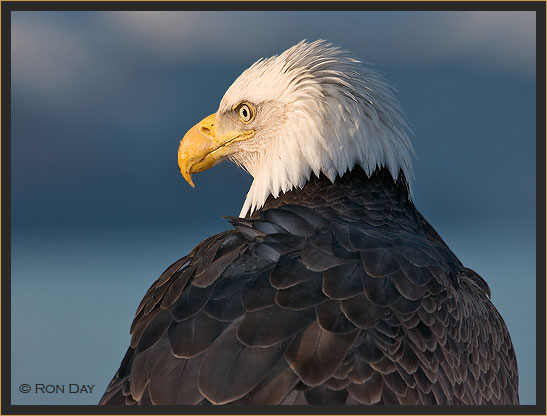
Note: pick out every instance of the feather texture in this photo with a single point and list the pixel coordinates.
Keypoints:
(386, 315)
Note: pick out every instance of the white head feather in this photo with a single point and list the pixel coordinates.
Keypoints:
(317, 110)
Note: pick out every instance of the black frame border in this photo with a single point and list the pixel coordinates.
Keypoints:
(8, 6)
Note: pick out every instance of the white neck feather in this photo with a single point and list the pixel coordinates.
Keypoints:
(329, 114)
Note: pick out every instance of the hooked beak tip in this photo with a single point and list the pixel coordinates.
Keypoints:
(188, 177)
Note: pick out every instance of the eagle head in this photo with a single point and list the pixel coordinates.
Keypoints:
(311, 109)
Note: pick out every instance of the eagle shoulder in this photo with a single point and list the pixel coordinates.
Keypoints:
(295, 307)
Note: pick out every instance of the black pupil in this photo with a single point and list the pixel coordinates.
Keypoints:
(244, 112)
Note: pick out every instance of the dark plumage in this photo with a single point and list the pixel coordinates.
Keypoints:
(336, 293)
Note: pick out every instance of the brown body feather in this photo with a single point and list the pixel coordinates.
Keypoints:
(333, 294)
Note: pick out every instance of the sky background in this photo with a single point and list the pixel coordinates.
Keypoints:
(100, 101)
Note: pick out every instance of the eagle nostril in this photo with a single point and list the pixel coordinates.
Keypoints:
(206, 130)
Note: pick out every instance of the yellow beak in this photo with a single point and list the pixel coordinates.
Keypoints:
(201, 148)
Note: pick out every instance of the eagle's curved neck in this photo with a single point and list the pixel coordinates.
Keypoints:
(350, 195)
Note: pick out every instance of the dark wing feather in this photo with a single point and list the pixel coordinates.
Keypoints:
(244, 367)
(279, 382)
(344, 281)
(192, 336)
(331, 318)
(316, 354)
(173, 380)
(272, 325)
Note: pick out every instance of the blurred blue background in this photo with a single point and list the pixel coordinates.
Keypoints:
(100, 101)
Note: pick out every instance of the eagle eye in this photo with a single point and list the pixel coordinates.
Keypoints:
(246, 112)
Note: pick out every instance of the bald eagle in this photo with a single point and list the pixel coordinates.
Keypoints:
(331, 287)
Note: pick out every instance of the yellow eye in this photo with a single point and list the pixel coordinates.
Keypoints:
(246, 112)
